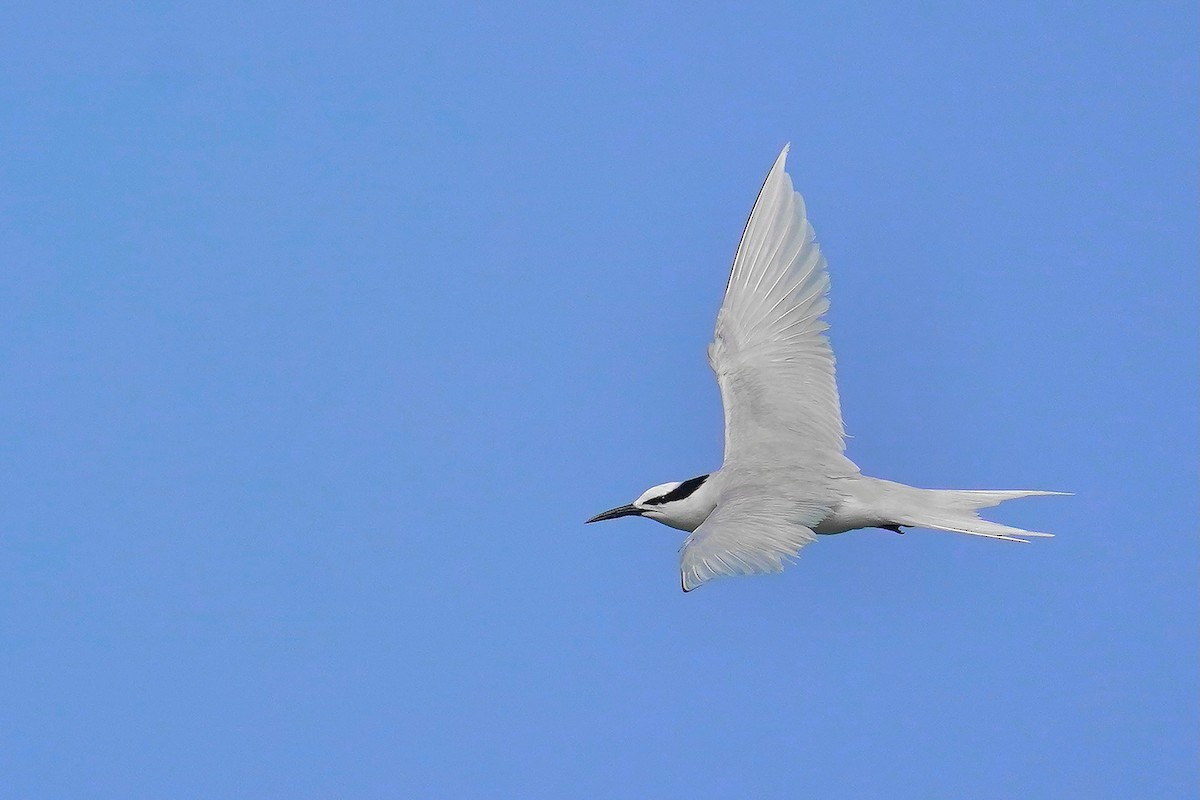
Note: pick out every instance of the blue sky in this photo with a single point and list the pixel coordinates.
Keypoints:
(326, 326)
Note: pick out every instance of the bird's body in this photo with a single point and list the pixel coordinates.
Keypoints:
(785, 477)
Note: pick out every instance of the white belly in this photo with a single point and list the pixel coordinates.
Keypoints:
(848, 516)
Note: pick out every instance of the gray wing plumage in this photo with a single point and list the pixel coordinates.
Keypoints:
(784, 439)
(744, 535)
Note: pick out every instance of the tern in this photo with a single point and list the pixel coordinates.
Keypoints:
(785, 477)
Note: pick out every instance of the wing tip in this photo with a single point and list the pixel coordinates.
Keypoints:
(781, 159)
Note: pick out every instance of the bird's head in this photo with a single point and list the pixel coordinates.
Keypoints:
(680, 504)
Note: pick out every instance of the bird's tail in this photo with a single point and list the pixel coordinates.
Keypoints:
(958, 511)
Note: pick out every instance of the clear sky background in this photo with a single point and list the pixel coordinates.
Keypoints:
(325, 326)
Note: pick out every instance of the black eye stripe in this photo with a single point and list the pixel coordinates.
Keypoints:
(681, 491)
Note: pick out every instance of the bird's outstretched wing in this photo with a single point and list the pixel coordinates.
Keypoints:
(772, 360)
(784, 439)
(744, 535)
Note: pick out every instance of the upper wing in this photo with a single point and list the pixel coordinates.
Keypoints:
(745, 534)
(773, 363)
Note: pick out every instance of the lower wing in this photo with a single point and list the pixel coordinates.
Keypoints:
(745, 535)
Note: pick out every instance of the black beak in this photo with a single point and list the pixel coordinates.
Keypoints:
(613, 513)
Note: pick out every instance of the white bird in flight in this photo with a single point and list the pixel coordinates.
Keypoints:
(785, 477)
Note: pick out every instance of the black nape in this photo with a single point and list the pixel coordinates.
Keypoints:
(681, 491)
